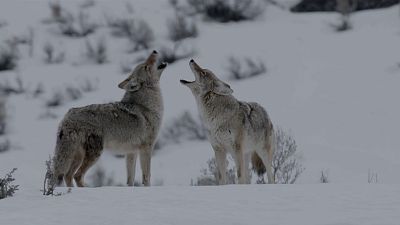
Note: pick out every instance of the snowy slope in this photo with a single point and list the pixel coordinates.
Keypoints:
(336, 92)
(241, 205)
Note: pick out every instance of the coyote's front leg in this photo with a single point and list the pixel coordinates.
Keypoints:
(220, 159)
(130, 168)
(145, 163)
(242, 164)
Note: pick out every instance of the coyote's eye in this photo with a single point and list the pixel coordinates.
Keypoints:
(203, 73)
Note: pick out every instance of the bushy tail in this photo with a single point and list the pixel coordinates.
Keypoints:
(63, 157)
(257, 164)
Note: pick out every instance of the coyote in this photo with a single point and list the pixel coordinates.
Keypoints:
(129, 126)
(242, 129)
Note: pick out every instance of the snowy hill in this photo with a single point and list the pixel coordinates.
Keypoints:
(336, 92)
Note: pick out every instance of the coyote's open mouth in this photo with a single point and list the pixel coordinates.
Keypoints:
(162, 66)
(186, 82)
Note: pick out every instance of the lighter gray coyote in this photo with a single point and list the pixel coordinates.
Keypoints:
(129, 126)
(240, 128)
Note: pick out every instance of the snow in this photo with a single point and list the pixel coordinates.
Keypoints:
(239, 204)
(336, 92)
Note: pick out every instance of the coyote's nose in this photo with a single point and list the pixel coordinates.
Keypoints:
(155, 52)
(192, 61)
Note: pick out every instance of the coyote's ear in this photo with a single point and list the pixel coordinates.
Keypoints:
(129, 85)
(222, 88)
(123, 84)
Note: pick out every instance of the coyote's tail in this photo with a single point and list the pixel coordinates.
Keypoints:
(63, 155)
(257, 164)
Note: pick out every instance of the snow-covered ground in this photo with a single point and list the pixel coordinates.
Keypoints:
(240, 204)
(338, 93)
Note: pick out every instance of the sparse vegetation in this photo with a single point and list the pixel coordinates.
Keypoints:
(4, 142)
(324, 177)
(138, 32)
(56, 99)
(7, 188)
(184, 127)
(100, 179)
(97, 53)
(286, 165)
(372, 177)
(239, 70)
(49, 185)
(52, 56)
(3, 116)
(89, 85)
(56, 11)
(345, 8)
(227, 10)
(8, 56)
(70, 93)
(76, 26)
(121, 27)
(7, 88)
(171, 55)
(180, 28)
(209, 175)
(142, 36)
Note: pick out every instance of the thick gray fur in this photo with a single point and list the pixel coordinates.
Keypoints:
(129, 126)
(240, 128)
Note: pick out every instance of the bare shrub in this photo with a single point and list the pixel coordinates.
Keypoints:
(87, 4)
(97, 53)
(47, 114)
(70, 93)
(57, 99)
(89, 85)
(171, 55)
(8, 56)
(4, 142)
(142, 36)
(121, 27)
(5, 145)
(138, 32)
(52, 56)
(48, 185)
(180, 28)
(286, 165)
(239, 70)
(184, 127)
(3, 116)
(76, 26)
(324, 177)
(7, 88)
(7, 188)
(100, 179)
(49, 182)
(56, 11)
(39, 90)
(209, 175)
(228, 10)
(73, 93)
(372, 177)
(345, 8)
(60, 97)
